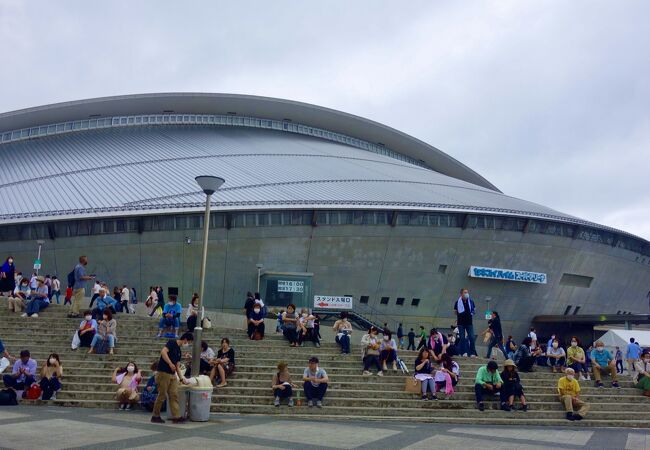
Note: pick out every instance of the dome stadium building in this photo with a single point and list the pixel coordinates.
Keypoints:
(316, 202)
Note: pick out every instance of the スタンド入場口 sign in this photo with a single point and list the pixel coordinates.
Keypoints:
(332, 302)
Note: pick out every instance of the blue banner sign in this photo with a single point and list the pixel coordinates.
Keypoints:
(507, 274)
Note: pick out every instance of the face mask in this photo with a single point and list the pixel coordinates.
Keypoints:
(11, 261)
(574, 344)
(600, 349)
(554, 344)
(52, 360)
(257, 310)
(465, 296)
(130, 369)
(570, 377)
(170, 303)
(386, 338)
(88, 318)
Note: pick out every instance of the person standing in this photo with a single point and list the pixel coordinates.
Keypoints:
(56, 289)
(400, 336)
(423, 338)
(8, 277)
(632, 355)
(568, 390)
(168, 367)
(96, 287)
(411, 337)
(464, 309)
(619, 360)
(79, 286)
(125, 297)
(496, 339)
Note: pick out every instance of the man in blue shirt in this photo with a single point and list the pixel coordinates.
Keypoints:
(602, 361)
(171, 316)
(40, 299)
(22, 375)
(79, 288)
(632, 355)
(103, 301)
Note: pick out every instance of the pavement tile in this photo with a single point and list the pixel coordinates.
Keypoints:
(638, 441)
(445, 441)
(557, 437)
(199, 442)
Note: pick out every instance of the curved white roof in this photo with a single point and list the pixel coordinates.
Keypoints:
(143, 161)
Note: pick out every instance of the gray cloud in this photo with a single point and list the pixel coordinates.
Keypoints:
(548, 100)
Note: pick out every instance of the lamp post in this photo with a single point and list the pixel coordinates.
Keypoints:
(209, 186)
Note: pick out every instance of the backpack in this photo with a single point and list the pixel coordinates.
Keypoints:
(8, 397)
(71, 279)
(102, 347)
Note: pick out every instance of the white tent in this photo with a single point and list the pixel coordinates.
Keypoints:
(621, 338)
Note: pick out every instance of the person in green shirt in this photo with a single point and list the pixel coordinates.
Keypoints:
(423, 338)
(488, 381)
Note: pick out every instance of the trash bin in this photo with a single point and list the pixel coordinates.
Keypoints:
(200, 401)
(183, 400)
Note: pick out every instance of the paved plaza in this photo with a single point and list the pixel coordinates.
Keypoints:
(27, 427)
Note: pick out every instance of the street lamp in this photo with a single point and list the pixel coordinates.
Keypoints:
(259, 274)
(209, 186)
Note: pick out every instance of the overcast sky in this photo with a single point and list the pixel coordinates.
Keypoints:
(549, 100)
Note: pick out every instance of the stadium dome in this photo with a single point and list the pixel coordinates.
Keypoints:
(80, 170)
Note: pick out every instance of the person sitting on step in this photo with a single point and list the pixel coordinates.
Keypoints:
(223, 364)
(23, 373)
(207, 355)
(39, 299)
(22, 294)
(86, 332)
(370, 344)
(642, 368)
(488, 381)
(577, 360)
(437, 343)
(171, 317)
(424, 374)
(290, 321)
(51, 374)
(307, 330)
(524, 357)
(343, 330)
(602, 361)
(192, 313)
(104, 302)
(556, 356)
(451, 367)
(106, 333)
(150, 392)
(568, 390)
(388, 351)
(256, 322)
(282, 385)
(316, 381)
(128, 379)
(511, 387)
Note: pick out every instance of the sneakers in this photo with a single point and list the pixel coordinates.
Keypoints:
(128, 408)
(276, 402)
(615, 385)
(505, 407)
(394, 366)
(425, 398)
(310, 403)
(599, 384)
(577, 417)
(122, 406)
(384, 366)
(290, 404)
(464, 355)
(481, 406)
(569, 416)
(23, 315)
(317, 344)
(523, 408)
(319, 404)
(380, 373)
(35, 316)
(582, 378)
(366, 373)
(155, 419)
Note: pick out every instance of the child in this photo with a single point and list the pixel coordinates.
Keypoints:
(411, 336)
(278, 326)
(150, 392)
(619, 360)
(68, 296)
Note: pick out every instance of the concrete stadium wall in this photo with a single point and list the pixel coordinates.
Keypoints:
(376, 261)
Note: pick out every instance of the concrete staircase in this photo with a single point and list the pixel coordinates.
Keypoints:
(350, 395)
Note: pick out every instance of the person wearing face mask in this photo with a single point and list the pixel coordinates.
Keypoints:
(290, 320)
(86, 332)
(128, 379)
(437, 344)
(39, 301)
(556, 356)
(51, 374)
(371, 343)
(343, 330)
(464, 308)
(22, 293)
(256, 323)
(577, 360)
(150, 391)
(192, 312)
(602, 361)
(388, 351)
(568, 390)
(7, 277)
(307, 331)
(643, 373)
(549, 344)
(106, 329)
(171, 316)
(104, 302)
